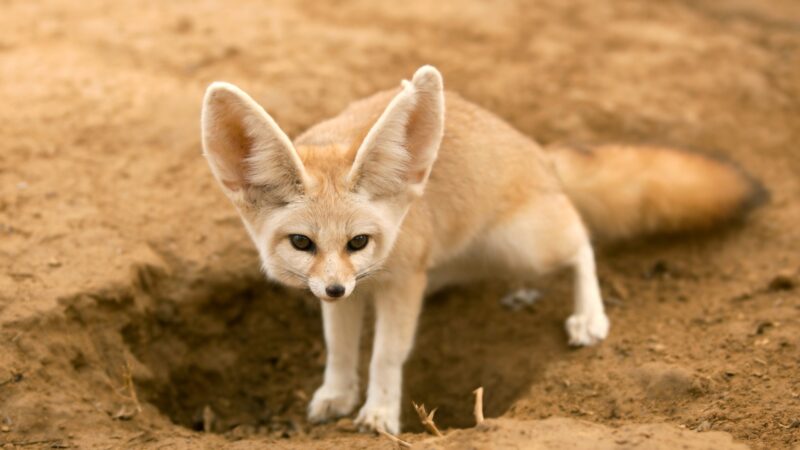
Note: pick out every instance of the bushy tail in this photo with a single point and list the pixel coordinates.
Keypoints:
(629, 191)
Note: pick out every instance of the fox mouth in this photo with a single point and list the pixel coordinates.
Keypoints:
(328, 299)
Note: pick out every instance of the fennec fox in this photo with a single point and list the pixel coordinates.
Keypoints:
(414, 189)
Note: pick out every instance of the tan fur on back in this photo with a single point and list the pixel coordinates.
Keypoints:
(486, 170)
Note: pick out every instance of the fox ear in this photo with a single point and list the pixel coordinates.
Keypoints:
(400, 149)
(245, 147)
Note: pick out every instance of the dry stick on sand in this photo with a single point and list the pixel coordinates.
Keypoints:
(126, 411)
(208, 419)
(478, 405)
(400, 443)
(131, 388)
(54, 443)
(427, 419)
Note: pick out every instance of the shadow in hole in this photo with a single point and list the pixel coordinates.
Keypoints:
(251, 354)
(468, 339)
(254, 355)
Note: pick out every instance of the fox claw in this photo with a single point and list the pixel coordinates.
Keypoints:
(378, 419)
(587, 329)
(330, 404)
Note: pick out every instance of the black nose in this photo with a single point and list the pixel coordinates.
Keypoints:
(335, 290)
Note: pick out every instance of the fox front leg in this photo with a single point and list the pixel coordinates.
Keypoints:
(397, 309)
(338, 395)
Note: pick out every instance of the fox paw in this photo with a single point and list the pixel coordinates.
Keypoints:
(330, 403)
(587, 329)
(378, 418)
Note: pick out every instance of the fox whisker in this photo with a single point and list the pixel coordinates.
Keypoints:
(371, 270)
(295, 273)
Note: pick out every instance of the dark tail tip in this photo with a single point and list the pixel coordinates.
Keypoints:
(758, 195)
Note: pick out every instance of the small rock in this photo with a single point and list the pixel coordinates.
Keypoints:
(704, 426)
(124, 413)
(5, 428)
(243, 431)
(658, 348)
(761, 342)
(782, 282)
(54, 263)
(660, 268)
(667, 382)
(347, 425)
(520, 299)
(762, 326)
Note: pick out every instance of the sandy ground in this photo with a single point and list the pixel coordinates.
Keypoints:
(123, 269)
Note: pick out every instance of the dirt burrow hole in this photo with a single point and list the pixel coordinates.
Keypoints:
(245, 359)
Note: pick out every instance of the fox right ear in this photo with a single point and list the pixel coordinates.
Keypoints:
(246, 148)
(399, 150)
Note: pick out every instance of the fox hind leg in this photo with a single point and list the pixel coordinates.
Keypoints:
(588, 324)
(548, 234)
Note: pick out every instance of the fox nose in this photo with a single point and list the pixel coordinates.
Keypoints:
(335, 290)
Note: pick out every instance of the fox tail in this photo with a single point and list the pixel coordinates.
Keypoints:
(629, 191)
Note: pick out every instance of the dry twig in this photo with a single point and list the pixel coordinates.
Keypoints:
(15, 378)
(54, 443)
(132, 406)
(131, 388)
(208, 419)
(427, 419)
(478, 411)
(400, 443)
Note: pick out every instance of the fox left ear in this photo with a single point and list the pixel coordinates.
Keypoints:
(399, 151)
(245, 147)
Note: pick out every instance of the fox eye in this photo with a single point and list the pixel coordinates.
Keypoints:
(358, 243)
(301, 242)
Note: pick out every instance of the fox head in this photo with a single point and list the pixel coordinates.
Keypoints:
(324, 216)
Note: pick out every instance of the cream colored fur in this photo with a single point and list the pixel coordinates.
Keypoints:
(442, 201)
